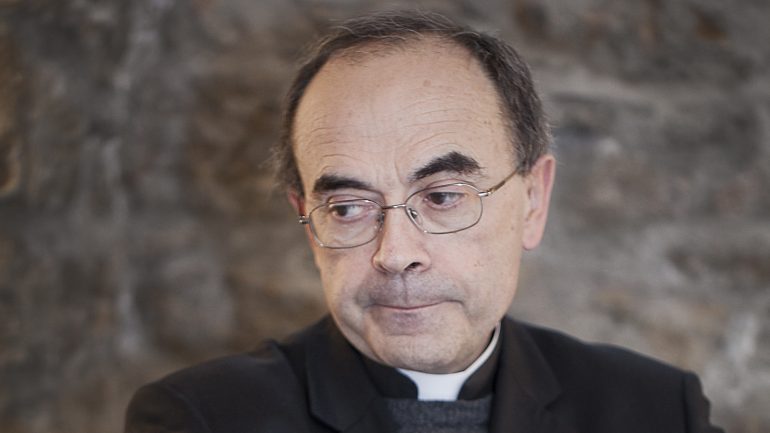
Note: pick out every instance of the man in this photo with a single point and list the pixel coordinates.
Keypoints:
(416, 156)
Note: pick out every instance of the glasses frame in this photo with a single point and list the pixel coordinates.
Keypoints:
(305, 219)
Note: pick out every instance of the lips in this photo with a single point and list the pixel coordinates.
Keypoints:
(408, 294)
(412, 319)
(410, 307)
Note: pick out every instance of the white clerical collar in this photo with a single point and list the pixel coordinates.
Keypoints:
(446, 387)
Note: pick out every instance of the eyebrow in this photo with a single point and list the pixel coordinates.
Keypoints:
(331, 182)
(453, 162)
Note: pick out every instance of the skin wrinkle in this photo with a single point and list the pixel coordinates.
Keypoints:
(441, 111)
(463, 113)
(329, 169)
(432, 137)
(385, 149)
(462, 282)
(467, 61)
(408, 291)
(508, 76)
(450, 163)
(435, 122)
(329, 183)
(412, 142)
(321, 138)
(430, 99)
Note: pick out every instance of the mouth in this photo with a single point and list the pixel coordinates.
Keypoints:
(407, 308)
(416, 318)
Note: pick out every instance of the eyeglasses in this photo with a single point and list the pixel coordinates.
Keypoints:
(436, 210)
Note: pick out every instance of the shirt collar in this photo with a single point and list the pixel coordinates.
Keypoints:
(446, 387)
(474, 382)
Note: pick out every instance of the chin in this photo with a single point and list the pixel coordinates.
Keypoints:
(423, 353)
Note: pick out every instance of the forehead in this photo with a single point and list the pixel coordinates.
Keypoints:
(390, 111)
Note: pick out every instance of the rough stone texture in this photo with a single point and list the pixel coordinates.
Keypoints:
(139, 231)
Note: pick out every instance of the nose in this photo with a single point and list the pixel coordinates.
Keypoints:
(400, 245)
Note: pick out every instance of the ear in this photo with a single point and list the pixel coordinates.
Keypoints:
(539, 184)
(297, 201)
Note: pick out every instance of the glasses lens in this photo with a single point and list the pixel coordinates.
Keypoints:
(446, 208)
(346, 223)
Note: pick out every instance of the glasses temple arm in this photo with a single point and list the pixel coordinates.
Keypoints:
(499, 185)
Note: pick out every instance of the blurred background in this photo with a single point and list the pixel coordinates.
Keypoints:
(140, 230)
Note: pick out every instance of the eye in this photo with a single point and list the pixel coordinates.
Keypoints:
(348, 211)
(443, 199)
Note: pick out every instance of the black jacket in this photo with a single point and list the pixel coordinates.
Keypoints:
(316, 382)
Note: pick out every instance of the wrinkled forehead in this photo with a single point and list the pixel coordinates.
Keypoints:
(367, 109)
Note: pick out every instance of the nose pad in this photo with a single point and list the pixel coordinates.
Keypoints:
(414, 216)
(400, 247)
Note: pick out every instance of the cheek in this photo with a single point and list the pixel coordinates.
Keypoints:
(497, 242)
(341, 271)
(492, 255)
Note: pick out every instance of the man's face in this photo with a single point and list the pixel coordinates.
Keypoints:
(382, 127)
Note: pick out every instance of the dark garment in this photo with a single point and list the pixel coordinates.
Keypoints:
(317, 382)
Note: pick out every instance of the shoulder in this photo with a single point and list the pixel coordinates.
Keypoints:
(271, 363)
(228, 393)
(259, 369)
(569, 356)
(605, 385)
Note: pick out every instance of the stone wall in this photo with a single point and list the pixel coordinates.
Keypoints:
(139, 231)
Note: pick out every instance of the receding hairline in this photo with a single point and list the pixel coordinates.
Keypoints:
(382, 33)
(387, 46)
(418, 43)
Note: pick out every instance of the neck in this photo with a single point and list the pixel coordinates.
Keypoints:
(446, 387)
